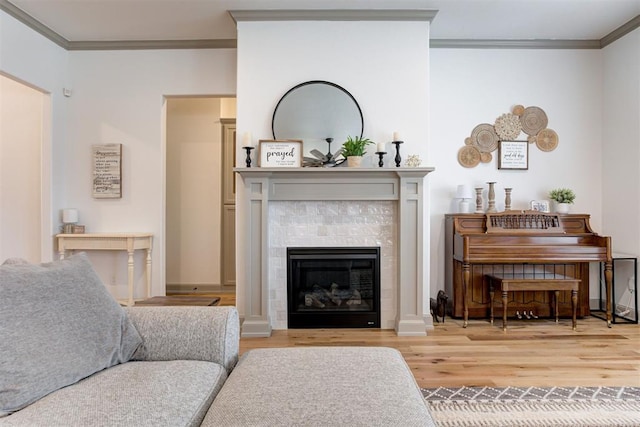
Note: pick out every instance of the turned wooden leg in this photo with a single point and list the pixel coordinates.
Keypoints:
(491, 295)
(574, 308)
(466, 277)
(608, 278)
(556, 294)
(505, 302)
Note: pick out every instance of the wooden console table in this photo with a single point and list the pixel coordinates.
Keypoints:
(530, 282)
(129, 242)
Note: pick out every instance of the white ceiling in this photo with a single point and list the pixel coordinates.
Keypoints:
(126, 20)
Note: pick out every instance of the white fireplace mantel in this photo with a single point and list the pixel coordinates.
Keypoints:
(262, 185)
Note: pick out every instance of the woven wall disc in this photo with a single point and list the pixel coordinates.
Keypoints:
(486, 157)
(468, 141)
(469, 156)
(531, 139)
(533, 120)
(508, 126)
(484, 136)
(517, 110)
(547, 140)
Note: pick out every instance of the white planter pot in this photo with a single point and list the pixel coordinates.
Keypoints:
(354, 161)
(562, 208)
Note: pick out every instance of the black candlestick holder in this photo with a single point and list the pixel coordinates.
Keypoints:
(248, 161)
(381, 156)
(398, 159)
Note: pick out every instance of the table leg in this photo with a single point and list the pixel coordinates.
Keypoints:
(148, 272)
(574, 308)
(505, 303)
(608, 278)
(556, 295)
(130, 278)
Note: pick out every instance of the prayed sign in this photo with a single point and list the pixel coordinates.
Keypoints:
(280, 154)
(107, 169)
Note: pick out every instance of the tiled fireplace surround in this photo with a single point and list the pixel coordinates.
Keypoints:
(332, 207)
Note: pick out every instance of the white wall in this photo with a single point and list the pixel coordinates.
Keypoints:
(473, 86)
(384, 65)
(118, 97)
(21, 121)
(621, 143)
(30, 58)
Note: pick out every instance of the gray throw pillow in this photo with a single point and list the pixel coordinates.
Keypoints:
(58, 325)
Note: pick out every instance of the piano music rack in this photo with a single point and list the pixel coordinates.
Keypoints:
(523, 222)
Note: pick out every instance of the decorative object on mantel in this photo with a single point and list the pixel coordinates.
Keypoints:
(492, 197)
(354, 148)
(320, 159)
(247, 145)
(413, 161)
(248, 150)
(563, 197)
(285, 153)
(396, 141)
(381, 151)
(486, 138)
(479, 201)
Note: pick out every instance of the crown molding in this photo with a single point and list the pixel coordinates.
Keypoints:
(334, 15)
(153, 44)
(514, 44)
(33, 23)
(620, 31)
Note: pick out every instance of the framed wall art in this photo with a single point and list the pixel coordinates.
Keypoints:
(280, 153)
(513, 155)
(107, 171)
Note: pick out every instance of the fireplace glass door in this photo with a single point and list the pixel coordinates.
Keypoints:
(333, 287)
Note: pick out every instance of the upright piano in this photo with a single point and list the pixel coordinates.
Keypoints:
(521, 242)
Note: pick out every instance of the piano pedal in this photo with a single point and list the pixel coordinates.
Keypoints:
(533, 315)
(518, 315)
(526, 315)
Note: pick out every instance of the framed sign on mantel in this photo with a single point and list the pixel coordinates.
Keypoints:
(107, 171)
(513, 155)
(284, 153)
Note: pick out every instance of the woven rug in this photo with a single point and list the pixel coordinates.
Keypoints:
(534, 406)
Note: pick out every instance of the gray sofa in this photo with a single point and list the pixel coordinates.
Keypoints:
(71, 356)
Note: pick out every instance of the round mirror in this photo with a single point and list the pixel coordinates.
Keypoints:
(314, 111)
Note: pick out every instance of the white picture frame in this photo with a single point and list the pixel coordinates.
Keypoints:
(280, 153)
(540, 205)
(107, 171)
(513, 155)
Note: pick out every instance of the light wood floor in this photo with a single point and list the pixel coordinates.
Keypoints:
(531, 353)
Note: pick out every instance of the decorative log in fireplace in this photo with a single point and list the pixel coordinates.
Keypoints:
(333, 287)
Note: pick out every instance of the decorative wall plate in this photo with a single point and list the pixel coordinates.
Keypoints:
(468, 141)
(517, 110)
(508, 126)
(485, 137)
(533, 120)
(547, 140)
(486, 157)
(469, 156)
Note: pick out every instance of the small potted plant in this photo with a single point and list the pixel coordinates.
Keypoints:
(563, 197)
(354, 148)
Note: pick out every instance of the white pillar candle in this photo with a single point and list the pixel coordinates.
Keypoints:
(381, 148)
(396, 136)
(246, 140)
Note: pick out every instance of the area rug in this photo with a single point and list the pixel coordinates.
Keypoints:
(534, 406)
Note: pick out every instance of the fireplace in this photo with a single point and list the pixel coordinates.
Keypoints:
(336, 287)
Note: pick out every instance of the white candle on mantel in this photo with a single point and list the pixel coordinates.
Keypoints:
(396, 136)
(246, 140)
(381, 148)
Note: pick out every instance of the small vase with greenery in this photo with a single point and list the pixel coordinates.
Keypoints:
(355, 147)
(563, 198)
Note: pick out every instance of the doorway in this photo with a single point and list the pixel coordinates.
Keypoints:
(22, 220)
(199, 238)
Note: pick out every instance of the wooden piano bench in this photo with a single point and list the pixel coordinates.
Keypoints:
(529, 282)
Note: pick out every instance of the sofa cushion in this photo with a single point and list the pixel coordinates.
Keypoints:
(170, 393)
(320, 386)
(58, 325)
(154, 394)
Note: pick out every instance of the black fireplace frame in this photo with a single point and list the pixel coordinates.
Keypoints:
(319, 318)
